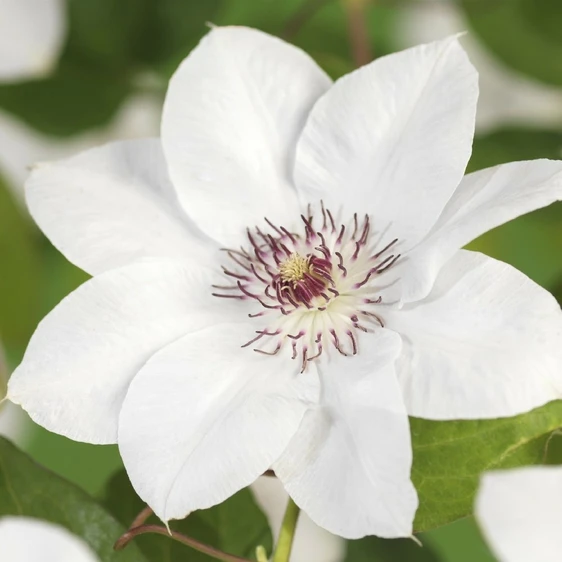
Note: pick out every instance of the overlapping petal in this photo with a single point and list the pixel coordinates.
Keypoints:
(484, 343)
(483, 200)
(24, 539)
(204, 418)
(349, 464)
(32, 33)
(232, 115)
(112, 205)
(520, 511)
(82, 357)
(393, 138)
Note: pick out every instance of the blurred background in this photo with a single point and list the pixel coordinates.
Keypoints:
(78, 73)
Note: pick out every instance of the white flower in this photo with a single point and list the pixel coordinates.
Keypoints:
(31, 36)
(520, 512)
(24, 539)
(336, 213)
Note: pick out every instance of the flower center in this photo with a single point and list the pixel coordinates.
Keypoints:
(294, 268)
(315, 290)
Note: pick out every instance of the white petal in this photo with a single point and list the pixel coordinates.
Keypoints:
(311, 542)
(205, 417)
(520, 511)
(31, 36)
(348, 466)
(393, 138)
(112, 205)
(232, 117)
(82, 357)
(24, 539)
(483, 200)
(485, 343)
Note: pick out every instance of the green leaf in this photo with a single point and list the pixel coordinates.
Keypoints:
(75, 98)
(545, 16)
(3, 374)
(85, 465)
(450, 456)
(373, 549)
(506, 29)
(105, 33)
(533, 242)
(171, 29)
(28, 489)
(236, 526)
(514, 143)
(19, 278)
(317, 26)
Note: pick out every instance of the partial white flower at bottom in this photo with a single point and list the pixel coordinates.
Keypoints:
(520, 513)
(278, 282)
(23, 539)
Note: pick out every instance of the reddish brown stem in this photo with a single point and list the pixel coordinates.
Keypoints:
(358, 34)
(127, 537)
(141, 517)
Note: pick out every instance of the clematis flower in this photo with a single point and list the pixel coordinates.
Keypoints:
(32, 33)
(25, 539)
(520, 511)
(278, 282)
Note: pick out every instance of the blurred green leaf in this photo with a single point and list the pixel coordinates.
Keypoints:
(19, 279)
(59, 277)
(75, 98)
(450, 456)
(326, 36)
(236, 526)
(373, 549)
(505, 28)
(545, 16)
(28, 489)
(460, 541)
(88, 466)
(514, 143)
(317, 26)
(533, 242)
(172, 28)
(271, 16)
(105, 33)
(3, 374)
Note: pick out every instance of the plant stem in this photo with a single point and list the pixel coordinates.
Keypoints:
(358, 33)
(141, 517)
(127, 537)
(287, 534)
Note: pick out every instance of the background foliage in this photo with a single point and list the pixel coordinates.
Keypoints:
(116, 49)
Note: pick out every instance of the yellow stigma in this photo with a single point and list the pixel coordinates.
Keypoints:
(294, 268)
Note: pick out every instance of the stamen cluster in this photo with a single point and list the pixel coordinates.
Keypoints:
(315, 287)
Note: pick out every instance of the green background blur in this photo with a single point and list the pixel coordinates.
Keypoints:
(117, 50)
